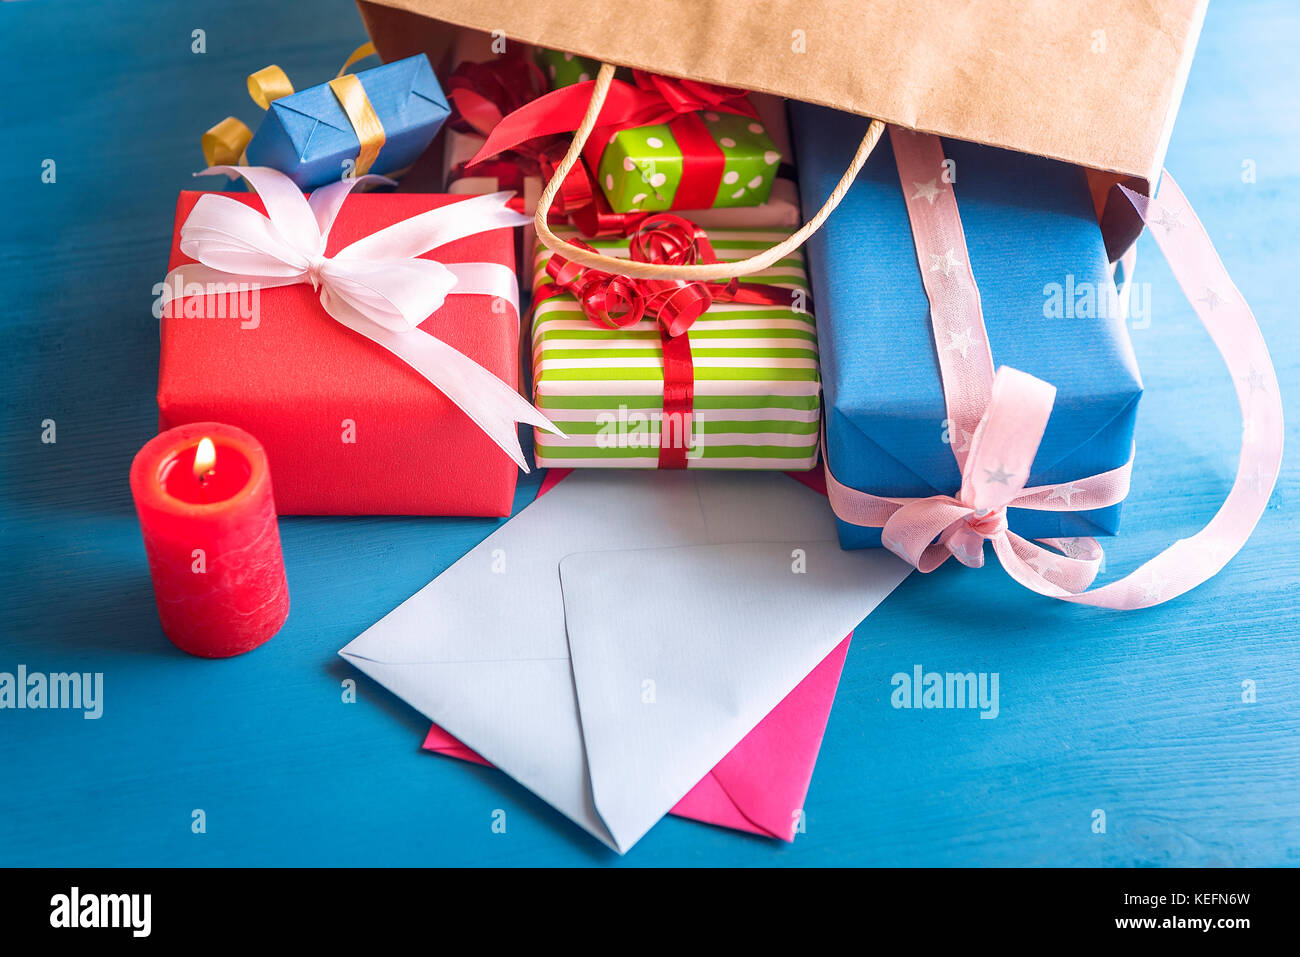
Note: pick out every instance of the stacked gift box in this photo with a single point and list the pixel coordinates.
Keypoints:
(1029, 227)
(755, 382)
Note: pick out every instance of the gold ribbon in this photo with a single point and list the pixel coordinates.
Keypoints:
(365, 121)
(225, 143)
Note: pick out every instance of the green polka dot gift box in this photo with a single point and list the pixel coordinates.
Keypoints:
(723, 158)
(753, 374)
(564, 69)
(702, 160)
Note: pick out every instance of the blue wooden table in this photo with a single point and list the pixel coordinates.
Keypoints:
(1138, 715)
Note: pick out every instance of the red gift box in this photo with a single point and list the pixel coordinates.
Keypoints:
(348, 428)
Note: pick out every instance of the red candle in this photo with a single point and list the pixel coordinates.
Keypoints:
(203, 494)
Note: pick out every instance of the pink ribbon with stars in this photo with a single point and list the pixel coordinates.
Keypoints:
(998, 418)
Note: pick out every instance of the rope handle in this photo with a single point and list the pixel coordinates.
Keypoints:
(702, 272)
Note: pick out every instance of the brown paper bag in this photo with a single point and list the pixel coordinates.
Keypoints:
(1091, 82)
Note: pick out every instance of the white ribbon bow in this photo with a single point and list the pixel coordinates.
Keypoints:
(377, 286)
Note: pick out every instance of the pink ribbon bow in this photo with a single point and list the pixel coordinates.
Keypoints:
(997, 420)
(379, 286)
(926, 532)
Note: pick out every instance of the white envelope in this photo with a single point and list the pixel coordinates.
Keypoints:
(723, 634)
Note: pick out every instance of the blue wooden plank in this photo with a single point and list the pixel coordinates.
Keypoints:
(1138, 715)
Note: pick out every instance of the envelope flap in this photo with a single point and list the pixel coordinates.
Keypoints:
(521, 700)
(709, 803)
(672, 673)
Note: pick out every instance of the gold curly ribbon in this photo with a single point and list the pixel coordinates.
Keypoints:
(268, 85)
(224, 144)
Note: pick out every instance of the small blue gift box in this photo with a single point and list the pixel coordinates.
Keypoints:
(307, 136)
(1050, 308)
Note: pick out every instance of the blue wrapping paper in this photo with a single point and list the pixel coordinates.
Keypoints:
(1037, 253)
(308, 137)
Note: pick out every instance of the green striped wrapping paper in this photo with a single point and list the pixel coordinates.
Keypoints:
(757, 388)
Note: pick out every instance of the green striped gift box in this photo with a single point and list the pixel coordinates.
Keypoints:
(757, 389)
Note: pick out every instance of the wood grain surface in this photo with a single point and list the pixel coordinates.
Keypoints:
(1139, 715)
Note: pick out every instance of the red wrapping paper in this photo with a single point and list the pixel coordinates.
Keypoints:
(296, 378)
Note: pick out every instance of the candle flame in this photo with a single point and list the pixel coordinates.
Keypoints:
(205, 456)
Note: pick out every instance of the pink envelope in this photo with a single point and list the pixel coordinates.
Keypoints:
(760, 786)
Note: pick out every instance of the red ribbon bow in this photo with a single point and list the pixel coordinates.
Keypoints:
(481, 95)
(650, 99)
(616, 302)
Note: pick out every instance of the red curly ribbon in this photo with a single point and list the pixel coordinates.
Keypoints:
(663, 239)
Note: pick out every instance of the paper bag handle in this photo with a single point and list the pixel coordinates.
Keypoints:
(701, 271)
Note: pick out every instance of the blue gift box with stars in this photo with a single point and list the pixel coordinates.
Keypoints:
(1050, 309)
